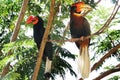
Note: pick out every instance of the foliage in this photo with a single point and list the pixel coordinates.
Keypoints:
(58, 61)
(11, 76)
(24, 51)
(107, 40)
(115, 78)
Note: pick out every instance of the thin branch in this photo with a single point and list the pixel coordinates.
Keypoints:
(108, 21)
(105, 56)
(101, 30)
(97, 2)
(114, 12)
(118, 65)
(104, 74)
(15, 33)
(101, 61)
(20, 18)
(66, 29)
(44, 40)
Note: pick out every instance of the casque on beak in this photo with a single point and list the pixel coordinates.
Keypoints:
(85, 9)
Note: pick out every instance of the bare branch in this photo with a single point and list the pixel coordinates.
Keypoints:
(101, 30)
(105, 56)
(104, 74)
(108, 21)
(118, 65)
(20, 18)
(97, 2)
(44, 40)
(15, 33)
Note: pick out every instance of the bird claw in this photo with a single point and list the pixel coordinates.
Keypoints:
(81, 38)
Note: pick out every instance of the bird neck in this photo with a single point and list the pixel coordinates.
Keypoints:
(76, 17)
(38, 25)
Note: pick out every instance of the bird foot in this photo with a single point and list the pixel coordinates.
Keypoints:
(81, 38)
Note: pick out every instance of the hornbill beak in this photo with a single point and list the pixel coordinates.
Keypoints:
(81, 8)
(85, 9)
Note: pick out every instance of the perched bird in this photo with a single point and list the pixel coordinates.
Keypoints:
(38, 32)
(80, 28)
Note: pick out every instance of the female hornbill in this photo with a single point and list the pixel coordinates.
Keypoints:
(80, 28)
(38, 32)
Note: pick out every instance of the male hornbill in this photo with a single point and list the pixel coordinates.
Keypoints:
(80, 28)
(38, 32)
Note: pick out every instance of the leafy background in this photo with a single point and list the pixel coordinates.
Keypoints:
(24, 51)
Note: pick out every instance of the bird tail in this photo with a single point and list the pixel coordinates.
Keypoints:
(84, 61)
(48, 67)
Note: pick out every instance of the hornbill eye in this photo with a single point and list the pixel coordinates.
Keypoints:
(72, 8)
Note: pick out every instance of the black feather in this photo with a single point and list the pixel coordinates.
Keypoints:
(38, 32)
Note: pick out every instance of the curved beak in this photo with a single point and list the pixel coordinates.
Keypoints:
(85, 9)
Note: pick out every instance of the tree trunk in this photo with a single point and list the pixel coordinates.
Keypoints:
(44, 40)
(15, 33)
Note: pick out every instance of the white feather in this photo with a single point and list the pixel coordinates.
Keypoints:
(84, 62)
(48, 65)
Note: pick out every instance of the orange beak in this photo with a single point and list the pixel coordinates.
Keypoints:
(85, 9)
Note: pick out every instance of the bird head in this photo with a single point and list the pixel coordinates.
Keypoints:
(80, 8)
(32, 20)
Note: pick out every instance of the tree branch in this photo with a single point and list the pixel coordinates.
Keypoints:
(105, 56)
(97, 2)
(104, 74)
(114, 12)
(20, 18)
(44, 40)
(101, 30)
(101, 60)
(15, 33)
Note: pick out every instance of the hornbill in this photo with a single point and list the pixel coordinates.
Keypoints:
(80, 28)
(38, 32)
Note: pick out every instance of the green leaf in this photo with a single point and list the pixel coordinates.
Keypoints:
(6, 60)
(11, 76)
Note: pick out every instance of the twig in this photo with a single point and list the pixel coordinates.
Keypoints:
(104, 74)
(105, 56)
(15, 33)
(66, 29)
(97, 2)
(114, 12)
(101, 30)
(41, 50)
(20, 18)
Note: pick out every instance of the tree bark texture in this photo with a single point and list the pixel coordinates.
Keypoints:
(15, 33)
(44, 40)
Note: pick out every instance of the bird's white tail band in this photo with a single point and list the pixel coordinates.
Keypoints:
(48, 65)
(84, 62)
